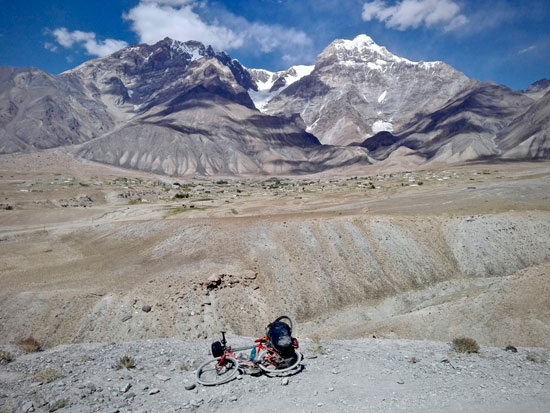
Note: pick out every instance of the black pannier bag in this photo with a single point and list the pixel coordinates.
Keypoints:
(280, 335)
(217, 349)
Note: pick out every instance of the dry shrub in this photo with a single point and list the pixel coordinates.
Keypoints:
(414, 360)
(47, 376)
(535, 357)
(30, 345)
(316, 346)
(125, 362)
(5, 357)
(465, 345)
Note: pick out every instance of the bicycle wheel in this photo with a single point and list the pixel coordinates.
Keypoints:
(275, 364)
(211, 373)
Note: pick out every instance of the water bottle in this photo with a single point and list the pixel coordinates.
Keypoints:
(253, 354)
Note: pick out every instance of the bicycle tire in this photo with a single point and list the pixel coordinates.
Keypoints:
(208, 373)
(273, 370)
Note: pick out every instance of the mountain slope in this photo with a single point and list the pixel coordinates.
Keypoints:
(39, 110)
(172, 107)
(358, 88)
(463, 129)
(528, 136)
(208, 125)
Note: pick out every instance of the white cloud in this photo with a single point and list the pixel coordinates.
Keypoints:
(50, 46)
(153, 20)
(527, 49)
(87, 40)
(415, 13)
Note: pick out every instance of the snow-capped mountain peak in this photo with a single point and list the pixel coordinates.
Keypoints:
(270, 84)
(362, 49)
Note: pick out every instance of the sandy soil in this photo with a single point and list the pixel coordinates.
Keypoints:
(427, 254)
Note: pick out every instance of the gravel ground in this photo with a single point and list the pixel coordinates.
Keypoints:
(357, 375)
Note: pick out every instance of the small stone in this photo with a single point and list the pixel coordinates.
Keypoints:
(334, 371)
(331, 389)
(233, 398)
(310, 356)
(401, 381)
(28, 407)
(129, 395)
(162, 378)
(319, 404)
(146, 308)
(125, 388)
(126, 318)
(190, 386)
(511, 348)
(284, 381)
(153, 391)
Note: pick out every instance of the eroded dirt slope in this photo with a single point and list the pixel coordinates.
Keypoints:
(464, 253)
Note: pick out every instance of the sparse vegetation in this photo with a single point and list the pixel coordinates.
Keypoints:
(465, 345)
(175, 211)
(134, 201)
(47, 376)
(316, 347)
(125, 362)
(535, 357)
(30, 345)
(414, 360)
(5, 357)
(181, 196)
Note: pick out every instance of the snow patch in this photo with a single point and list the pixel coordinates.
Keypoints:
(382, 96)
(264, 93)
(364, 43)
(374, 66)
(382, 126)
(180, 47)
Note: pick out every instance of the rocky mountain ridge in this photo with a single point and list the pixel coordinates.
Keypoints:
(358, 88)
(183, 108)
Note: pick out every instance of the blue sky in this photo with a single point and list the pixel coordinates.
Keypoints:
(500, 40)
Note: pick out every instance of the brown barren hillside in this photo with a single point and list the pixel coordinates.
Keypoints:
(427, 254)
